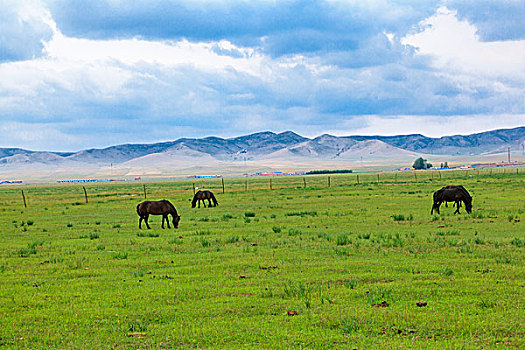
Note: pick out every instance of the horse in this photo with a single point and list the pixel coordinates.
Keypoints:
(162, 207)
(202, 196)
(452, 193)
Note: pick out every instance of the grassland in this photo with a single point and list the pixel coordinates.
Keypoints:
(291, 267)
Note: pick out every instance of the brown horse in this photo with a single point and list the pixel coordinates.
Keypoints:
(202, 196)
(452, 193)
(162, 207)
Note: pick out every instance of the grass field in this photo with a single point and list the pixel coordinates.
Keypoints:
(289, 267)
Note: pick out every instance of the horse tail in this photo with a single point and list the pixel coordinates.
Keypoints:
(437, 195)
(437, 199)
(138, 206)
(213, 199)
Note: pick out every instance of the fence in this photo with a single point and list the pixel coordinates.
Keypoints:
(96, 193)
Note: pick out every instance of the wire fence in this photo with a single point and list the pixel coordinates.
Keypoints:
(75, 194)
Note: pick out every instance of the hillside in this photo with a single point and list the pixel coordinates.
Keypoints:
(481, 143)
(261, 151)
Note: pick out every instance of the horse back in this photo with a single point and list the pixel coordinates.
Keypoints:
(203, 194)
(155, 207)
(454, 193)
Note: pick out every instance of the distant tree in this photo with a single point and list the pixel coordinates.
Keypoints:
(420, 163)
(317, 172)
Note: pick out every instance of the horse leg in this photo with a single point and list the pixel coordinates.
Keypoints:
(140, 221)
(146, 217)
(199, 201)
(162, 225)
(167, 221)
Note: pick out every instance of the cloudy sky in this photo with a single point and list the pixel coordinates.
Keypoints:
(78, 74)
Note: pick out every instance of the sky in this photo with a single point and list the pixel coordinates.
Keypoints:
(78, 74)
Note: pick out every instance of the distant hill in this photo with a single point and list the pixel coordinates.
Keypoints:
(482, 143)
(281, 146)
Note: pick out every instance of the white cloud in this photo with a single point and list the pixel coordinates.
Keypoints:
(456, 45)
(23, 27)
(102, 92)
(168, 53)
(430, 126)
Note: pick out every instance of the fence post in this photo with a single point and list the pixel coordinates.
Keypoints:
(85, 193)
(377, 177)
(304, 181)
(193, 185)
(24, 198)
(144, 186)
(395, 177)
(415, 175)
(222, 185)
(329, 185)
(358, 179)
(246, 185)
(270, 183)
(439, 174)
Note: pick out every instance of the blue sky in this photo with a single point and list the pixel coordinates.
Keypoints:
(80, 74)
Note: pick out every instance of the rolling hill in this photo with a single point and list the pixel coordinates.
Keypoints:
(263, 150)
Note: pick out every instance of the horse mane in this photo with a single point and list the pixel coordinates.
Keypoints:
(464, 190)
(195, 197)
(170, 205)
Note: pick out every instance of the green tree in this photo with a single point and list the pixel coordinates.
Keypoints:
(420, 163)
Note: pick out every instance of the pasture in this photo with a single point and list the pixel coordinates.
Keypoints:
(349, 266)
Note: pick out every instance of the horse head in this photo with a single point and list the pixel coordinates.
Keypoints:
(468, 206)
(176, 219)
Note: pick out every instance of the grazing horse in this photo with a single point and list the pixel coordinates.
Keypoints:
(456, 194)
(202, 196)
(162, 207)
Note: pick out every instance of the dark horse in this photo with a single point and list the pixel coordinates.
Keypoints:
(162, 207)
(202, 196)
(456, 194)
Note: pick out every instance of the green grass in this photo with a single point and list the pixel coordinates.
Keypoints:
(291, 267)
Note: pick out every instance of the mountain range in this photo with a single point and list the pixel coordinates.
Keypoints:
(268, 148)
